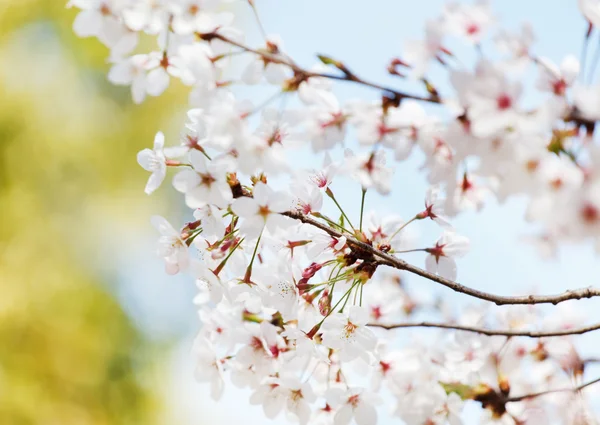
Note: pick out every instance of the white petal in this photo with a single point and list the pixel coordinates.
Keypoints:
(120, 73)
(447, 268)
(570, 67)
(186, 180)
(144, 158)
(216, 388)
(343, 416)
(244, 207)
(138, 89)
(272, 406)
(159, 141)
(431, 264)
(358, 315)
(253, 72)
(276, 73)
(198, 161)
(280, 202)
(262, 194)
(157, 81)
(365, 414)
(252, 227)
(87, 23)
(155, 180)
(163, 226)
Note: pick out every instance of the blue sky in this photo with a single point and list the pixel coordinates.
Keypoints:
(365, 35)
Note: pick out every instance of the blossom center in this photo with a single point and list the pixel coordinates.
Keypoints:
(376, 312)
(264, 211)
(349, 329)
(472, 29)
(206, 179)
(559, 87)
(504, 102)
(590, 214)
(104, 10)
(155, 163)
(337, 119)
(353, 400)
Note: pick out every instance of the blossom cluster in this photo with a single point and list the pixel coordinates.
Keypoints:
(292, 289)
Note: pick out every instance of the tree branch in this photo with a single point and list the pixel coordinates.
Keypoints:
(350, 77)
(383, 258)
(576, 389)
(490, 332)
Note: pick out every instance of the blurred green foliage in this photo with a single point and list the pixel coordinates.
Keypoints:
(68, 352)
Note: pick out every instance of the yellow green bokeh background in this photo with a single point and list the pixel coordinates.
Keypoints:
(69, 354)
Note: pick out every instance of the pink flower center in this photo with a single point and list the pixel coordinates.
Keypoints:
(504, 102)
(353, 400)
(559, 87)
(472, 29)
(337, 119)
(590, 214)
(376, 312)
(384, 130)
(349, 329)
(264, 211)
(437, 251)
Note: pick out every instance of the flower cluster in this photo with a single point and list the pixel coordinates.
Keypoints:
(292, 289)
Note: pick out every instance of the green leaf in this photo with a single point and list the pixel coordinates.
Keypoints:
(329, 61)
(465, 392)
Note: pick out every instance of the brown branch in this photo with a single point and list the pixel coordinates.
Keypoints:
(576, 389)
(391, 261)
(490, 332)
(350, 77)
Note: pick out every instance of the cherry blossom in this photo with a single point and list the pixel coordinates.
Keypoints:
(203, 184)
(348, 334)
(469, 21)
(171, 246)
(262, 210)
(154, 160)
(355, 405)
(273, 72)
(209, 367)
(441, 257)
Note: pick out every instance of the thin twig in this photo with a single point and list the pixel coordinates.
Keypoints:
(280, 59)
(576, 389)
(490, 332)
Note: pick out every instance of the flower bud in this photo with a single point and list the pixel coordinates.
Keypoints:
(325, 303)
(311, 270)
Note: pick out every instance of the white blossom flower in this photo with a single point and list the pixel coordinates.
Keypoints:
(263, 210)
(441, 257)
(154, 160)
(209, 367)
(204, 184)
(419, 53)
(349, 334)
(274, 72)
(171, 246)
(355, 403)
(556, 79)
